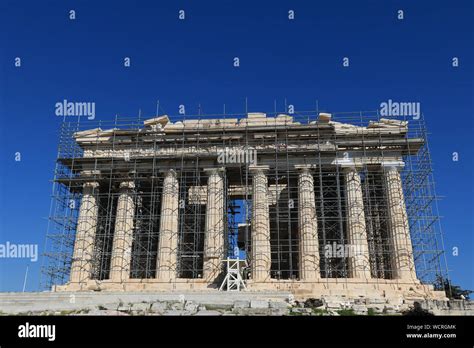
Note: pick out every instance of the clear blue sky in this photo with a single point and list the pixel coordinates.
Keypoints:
(190, 62)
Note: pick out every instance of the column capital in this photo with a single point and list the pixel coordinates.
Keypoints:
(169, 172)
(347, 164)
(218, 170)
(255, 169)
(392, 165)
(89, 173)
(305, 168)
(127, 184)
(90, 185)
(349, 169)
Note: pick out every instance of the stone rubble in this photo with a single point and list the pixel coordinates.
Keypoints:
(311, 307)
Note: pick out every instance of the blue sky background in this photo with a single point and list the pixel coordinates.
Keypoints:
(190, 62)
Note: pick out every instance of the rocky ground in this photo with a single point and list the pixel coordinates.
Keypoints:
(277, 307)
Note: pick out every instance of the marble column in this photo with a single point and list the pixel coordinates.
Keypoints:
(261, 251)
(84, 247)
(308, 227)
(167, 261)
(403, 261)
(123, 234)
(214, 245)
(359, 262)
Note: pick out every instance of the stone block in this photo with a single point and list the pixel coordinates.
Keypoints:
(108, 306)
(324, 117)
(376, 301)
(115, 313)
(284, 117)
(191, 306)
(456, 304)
(256, 115)
(92, 312)
(280, 311)
(161, 120)
(390, 309)
(279, 304)
(242, 304)
(143, 306)
(442, 304)
(218, 306)
(159, 307)
(177, 306)
(124, 308)
(259, 304)
(304, 311)
(360, 309)
(334, 305)
(208, 313)
(376, 308)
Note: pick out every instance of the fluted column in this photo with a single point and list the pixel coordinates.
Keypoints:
(261, 251)
(214, 244)
(168, 240)
(308, 227)
(359, 262)
(85, 234)
(123, 234)
(403, 261)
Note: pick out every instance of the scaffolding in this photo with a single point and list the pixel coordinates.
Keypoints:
(280, 147)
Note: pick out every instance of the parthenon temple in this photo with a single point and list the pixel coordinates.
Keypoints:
(311, 206)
